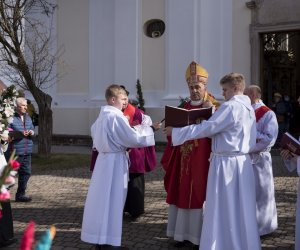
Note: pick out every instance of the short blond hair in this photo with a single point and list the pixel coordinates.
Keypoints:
(113, 90)
(234, 80)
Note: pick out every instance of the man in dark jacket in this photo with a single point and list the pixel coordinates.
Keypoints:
(21, 141)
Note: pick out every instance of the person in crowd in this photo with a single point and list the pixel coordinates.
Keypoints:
(292, 162)
(267, 130)
(21, 140)
(32, 113)
(186, 168)
(6, 221)
(289, 111)
(280, 109)
(230, 208)
(112, 136)
(141, 160)
(30, 108)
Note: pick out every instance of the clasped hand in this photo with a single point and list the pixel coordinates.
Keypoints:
(27, 132)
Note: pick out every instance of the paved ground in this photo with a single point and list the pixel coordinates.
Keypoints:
(59, 195)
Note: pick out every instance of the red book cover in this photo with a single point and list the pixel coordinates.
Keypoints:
(291, 143)
(180, 117)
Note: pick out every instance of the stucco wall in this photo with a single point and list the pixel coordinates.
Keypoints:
(241, 20)
(104, 43)
(73, 36)
(278, 11)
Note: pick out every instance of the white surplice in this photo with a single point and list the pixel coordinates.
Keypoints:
(291, 166)
(230, 209)
(267, 131)
(103, 211)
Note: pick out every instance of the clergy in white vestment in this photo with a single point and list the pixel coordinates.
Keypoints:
(112, 135)
(292, 162)
(230, 209)
(267, 131)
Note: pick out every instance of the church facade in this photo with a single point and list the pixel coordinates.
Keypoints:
(121, 41)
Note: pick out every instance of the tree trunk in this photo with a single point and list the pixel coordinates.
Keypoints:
(45, 123)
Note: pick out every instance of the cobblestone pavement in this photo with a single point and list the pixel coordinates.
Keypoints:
(59, 196)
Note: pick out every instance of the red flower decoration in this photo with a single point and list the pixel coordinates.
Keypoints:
(4, 195)
(14, 164)
(28, 237)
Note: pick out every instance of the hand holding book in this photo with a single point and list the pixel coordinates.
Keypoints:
(290, 143)
(179, 117)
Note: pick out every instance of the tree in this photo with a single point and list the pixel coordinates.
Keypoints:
(140, 97)
(26, 57)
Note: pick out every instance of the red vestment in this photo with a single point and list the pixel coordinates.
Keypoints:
(260, 112)
(141, 159)
(186, 168)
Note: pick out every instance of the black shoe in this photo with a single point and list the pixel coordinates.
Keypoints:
(107, 247)
(8, 242)
(179, 244)
(23, 199)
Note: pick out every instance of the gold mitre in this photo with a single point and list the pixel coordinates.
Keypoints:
(194, 72)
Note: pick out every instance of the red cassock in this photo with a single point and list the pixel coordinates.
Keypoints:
(186, 169)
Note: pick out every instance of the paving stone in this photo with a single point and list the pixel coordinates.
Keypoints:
(59, 197)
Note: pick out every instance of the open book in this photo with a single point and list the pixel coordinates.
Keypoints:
(179, 117)
(291, 143)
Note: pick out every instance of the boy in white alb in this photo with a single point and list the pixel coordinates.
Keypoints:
(112, 135)
(267, 131)
(230, 210)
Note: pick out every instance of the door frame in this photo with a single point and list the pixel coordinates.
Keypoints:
(255, 44)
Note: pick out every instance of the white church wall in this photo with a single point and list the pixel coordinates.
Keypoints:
(101, 47)
(73, 34)
(71, 93)
(151, 56)
(114, 49)
(241, 57)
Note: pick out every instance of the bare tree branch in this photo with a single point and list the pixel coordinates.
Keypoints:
(26, 53)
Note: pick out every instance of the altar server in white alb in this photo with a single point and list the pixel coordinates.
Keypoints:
(267, 131)
(230, 210)
(292, 162)
(112, 135)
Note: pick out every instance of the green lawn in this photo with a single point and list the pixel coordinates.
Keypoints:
(60, 161)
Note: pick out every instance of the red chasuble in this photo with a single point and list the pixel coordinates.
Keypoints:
(186, 168)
